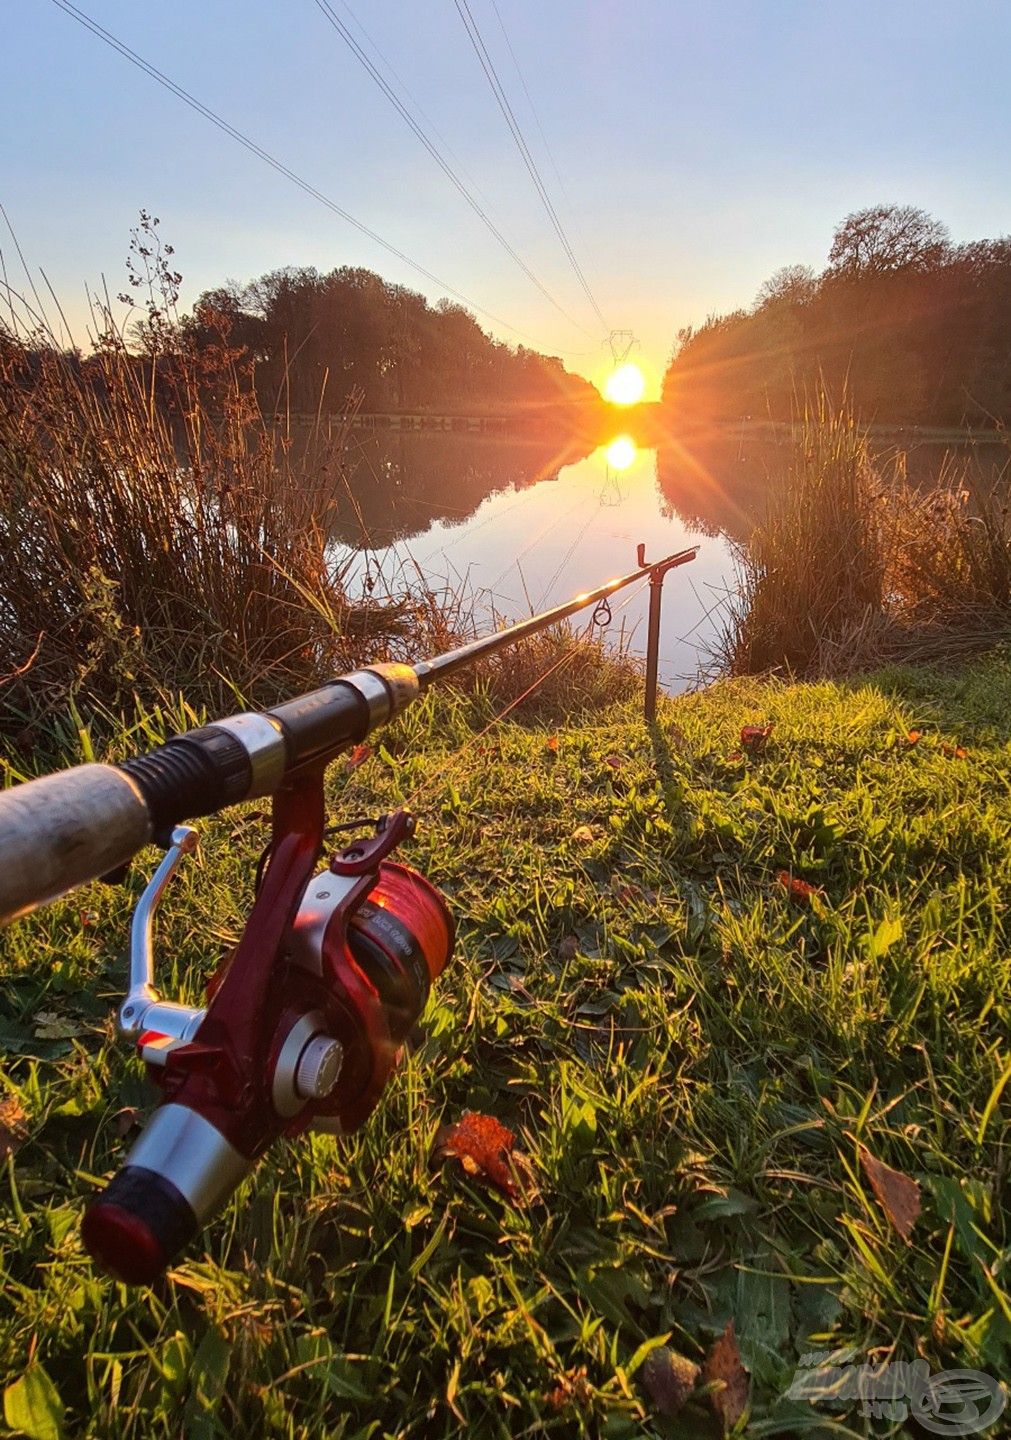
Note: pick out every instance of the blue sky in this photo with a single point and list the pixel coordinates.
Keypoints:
(700, 145)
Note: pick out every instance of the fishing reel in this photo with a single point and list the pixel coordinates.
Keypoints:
(304, 1023)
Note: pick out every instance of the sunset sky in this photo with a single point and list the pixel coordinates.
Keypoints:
(699, 145)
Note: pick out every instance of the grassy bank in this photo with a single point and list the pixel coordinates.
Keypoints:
(691, 1058)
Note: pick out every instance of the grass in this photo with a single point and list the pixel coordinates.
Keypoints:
(690, 1060)
(852, 566)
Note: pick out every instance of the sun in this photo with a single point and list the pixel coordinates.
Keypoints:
(621, 453)
(626, 385)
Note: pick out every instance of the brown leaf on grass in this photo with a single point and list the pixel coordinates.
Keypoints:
(954, 752)
(669, 1379)
(723, 1364)
(755, 737)
(357, 757)
(126, 1120)
(897, 1194)
(583, 835)
(801, 892)
(484, 1147)
(13, 1126)
(626, 891)
(572, 1388)
(49, 1025)
(568, 948)
(914, 737)
(613, 762)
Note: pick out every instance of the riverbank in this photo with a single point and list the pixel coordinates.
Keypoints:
(701, 1057)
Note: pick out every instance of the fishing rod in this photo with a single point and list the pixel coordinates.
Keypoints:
(306, 1017)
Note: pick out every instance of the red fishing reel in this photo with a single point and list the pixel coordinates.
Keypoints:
(304, 1023)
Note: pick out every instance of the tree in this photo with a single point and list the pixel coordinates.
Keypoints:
(888, 237)
(789, 285)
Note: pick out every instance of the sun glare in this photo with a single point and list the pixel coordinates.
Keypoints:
(621, 453)
(626, 385)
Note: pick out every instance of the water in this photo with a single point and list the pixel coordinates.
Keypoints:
(523, 524)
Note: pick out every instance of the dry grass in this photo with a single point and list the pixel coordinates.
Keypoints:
(157, 533)
(855, 567)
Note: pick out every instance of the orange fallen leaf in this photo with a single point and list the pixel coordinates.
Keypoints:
(572, 1388)
(914, 737)
(551, 743)
(801, 892)
(897, 1194)
(754, 737)
(358, 756)
(954, 752)
(723, 1364)
(583, 835)
(485, 1149)
(13, 1126)
(669, 1379)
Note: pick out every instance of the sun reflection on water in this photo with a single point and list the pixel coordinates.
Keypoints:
(621, 452)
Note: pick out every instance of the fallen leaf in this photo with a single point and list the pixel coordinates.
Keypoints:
(572, 1388)
(583, 835)
(723, 1364)
(568, 948)
(484, 1147)
(626, 890)
(51, 1026)
(669, 1379)
(914, 737)
(801, 892)
(614, 762)
(551, 743)
(954, 752)
(754, 737)
(897, 1194)
(13, 1126)
(736, 755)
(358, 756)
(126, 1120)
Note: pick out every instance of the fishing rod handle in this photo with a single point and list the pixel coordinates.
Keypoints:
(79, 824)
(60, 831)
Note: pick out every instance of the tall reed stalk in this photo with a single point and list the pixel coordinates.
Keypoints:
(853, 566)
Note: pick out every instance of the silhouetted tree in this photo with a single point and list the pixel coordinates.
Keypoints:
(888, 237)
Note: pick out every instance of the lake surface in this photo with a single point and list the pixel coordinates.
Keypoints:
(525, 524)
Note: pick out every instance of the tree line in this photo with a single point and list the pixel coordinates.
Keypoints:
(909, 327)
(315, 338)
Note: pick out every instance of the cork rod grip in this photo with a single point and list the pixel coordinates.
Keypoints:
(65, 829)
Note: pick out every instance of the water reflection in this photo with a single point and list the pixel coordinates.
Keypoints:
(523, 524)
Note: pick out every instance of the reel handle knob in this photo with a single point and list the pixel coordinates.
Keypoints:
(319, 1067)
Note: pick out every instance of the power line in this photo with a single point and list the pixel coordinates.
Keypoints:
(491, 74)
(342, 30)
(123, 49)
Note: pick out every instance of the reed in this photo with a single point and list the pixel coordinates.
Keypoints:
(853, 566)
